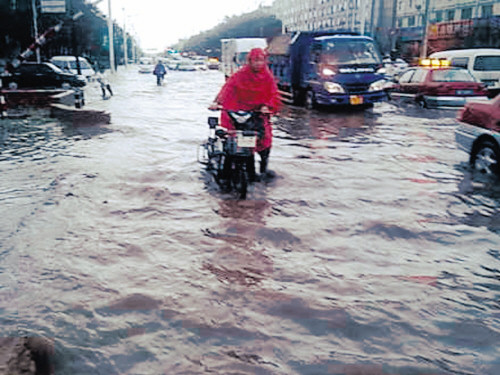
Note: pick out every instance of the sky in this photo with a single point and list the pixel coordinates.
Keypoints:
(160, 23)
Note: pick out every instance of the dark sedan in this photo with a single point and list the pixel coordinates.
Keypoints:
(43, 75)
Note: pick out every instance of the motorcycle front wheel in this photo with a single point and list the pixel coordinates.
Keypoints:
(239, 179)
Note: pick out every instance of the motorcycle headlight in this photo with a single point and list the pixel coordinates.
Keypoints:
(333, 88)
(377, 85)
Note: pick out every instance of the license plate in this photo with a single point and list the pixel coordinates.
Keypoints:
(355, 99)
(246, 140)
(464, 92)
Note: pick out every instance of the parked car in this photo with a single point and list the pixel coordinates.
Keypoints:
(435, 84)
(478, 134)
(392, 69)
(213, 63)
(186, 66)
(200, 65)
(483, 63)
(41, 75)
(146, 65)
(70, 64)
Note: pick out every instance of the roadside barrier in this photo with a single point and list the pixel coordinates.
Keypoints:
(79, 99)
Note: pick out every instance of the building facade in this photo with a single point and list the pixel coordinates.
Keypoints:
(403, 25)
(312, 15)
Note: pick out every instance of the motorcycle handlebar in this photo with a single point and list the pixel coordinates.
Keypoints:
(265, 113)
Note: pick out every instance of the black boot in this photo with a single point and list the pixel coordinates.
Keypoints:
(264, 159)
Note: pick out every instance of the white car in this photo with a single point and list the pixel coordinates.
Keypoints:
(186, 66)
(200, 65)
(393, 68)
(69, 64)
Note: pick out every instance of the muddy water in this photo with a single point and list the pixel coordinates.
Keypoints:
(371, 252)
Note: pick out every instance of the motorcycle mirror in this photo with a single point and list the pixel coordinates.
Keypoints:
(213, 122)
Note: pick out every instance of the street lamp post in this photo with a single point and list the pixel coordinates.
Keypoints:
(425, 23)
(124, 40)
(111, 37)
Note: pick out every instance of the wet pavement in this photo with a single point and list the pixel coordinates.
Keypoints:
(372, 251)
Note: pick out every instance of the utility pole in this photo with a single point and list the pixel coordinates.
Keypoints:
(111, 38)
(125, 40)
(35, 27)
(425, 23)
(363, 10)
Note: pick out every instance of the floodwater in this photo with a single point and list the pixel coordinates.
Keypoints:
(373, 251)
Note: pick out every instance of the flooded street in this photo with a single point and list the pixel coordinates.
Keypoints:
(371, 252)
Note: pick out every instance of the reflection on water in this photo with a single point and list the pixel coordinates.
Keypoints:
(373, 251)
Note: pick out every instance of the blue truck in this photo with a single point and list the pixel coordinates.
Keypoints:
(327, 68)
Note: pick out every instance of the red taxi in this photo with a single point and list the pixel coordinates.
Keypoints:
(435, 84)
(478, 134)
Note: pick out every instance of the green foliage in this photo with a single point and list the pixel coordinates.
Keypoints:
(255, 24)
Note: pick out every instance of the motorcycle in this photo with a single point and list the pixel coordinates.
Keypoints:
(229, 154)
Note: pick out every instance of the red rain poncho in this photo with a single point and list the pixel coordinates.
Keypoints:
(248, 90)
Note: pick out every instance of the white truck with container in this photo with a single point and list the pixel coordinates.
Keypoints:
(234, 52)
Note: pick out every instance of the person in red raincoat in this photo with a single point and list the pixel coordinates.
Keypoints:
(252, 88)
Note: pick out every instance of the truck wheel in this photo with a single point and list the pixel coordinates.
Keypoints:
(310, 100)
(485, 158)
(296, 98)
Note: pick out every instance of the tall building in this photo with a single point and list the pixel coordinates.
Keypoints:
(395, 24)
(412, 12)
(368, 17)
(311, 15)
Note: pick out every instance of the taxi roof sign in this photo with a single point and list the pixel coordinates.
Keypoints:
(434, 63)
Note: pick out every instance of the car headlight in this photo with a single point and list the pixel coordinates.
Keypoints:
(328, 72)
(333, 88)
(377, 85)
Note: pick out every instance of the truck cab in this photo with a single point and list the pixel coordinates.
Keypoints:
(329, 69)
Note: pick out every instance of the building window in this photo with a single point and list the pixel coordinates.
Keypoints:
(13, 4)
(450, 15)
(439, 16)
(400, 22)
(466, 13)
(411, 21)
(487, 11)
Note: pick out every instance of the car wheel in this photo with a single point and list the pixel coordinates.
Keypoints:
(310, 100)
(422, 103)
(485, 158)
(66, 86)
(13, 85)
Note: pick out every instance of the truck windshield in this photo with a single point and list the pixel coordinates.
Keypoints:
(347, 52)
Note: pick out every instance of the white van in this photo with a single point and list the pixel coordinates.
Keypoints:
(235, 51)
(483, 63)
(68, 64)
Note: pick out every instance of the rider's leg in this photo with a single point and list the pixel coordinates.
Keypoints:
(264, 160)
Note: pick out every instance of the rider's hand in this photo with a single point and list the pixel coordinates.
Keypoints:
(265, 110)
(215, 106)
